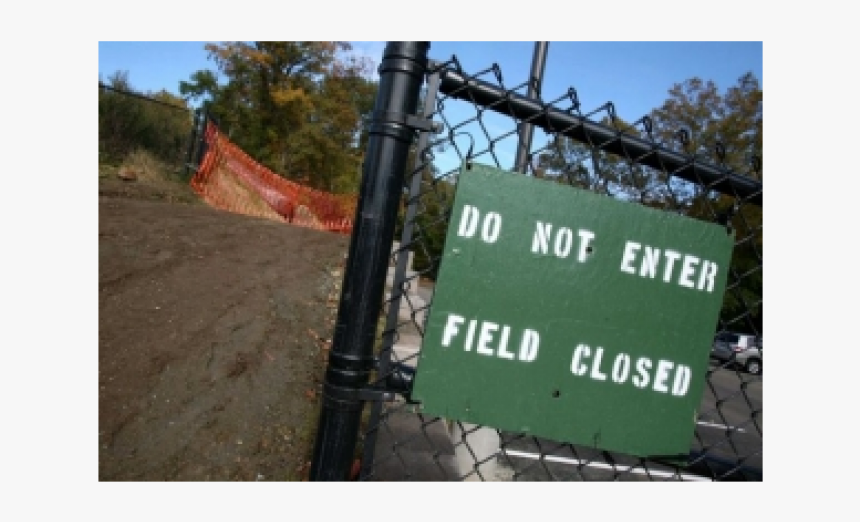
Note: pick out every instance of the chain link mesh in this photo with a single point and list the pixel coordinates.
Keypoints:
(593, 150)
(132, 124)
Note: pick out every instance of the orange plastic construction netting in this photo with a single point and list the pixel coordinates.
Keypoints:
(231, 180)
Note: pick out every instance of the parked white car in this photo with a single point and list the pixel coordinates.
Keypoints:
(743, 350)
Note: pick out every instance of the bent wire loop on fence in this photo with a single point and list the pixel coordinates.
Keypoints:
(231, 180)
(480, 113)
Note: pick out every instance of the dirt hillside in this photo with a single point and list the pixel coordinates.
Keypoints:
(213, 337)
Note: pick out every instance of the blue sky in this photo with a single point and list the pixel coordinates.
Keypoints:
(635, 76)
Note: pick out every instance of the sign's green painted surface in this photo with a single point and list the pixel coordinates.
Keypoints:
(572, 316)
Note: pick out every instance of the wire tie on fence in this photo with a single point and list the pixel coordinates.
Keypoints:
(456, 63)
(469, 154)
(498, 72)
(725, 218)
(530, 160)
(574, 99)
(683, 136)
(647, 124)
(720, 150)
(610, 108)
(755, 161)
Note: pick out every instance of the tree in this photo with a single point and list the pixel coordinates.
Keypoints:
(721, 129)
(296, 107)
(735, 121)
(329, 149)
(159, 123)
(572, 163)
(579, 165)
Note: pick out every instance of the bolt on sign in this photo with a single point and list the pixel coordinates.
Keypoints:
(572, 316)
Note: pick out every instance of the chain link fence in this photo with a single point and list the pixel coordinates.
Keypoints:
(144, 135)
(482, 118)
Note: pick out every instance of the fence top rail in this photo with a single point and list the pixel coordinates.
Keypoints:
(454, 83)
(143, 97)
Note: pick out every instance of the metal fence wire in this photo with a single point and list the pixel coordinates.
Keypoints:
(136, 129)
(482, 116)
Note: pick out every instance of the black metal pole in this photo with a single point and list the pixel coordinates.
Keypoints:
(524, 145)
(202, 146)
(351, 360)
(399, 272)
(192, 144)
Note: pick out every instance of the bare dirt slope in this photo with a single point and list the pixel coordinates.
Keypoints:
(213, 332)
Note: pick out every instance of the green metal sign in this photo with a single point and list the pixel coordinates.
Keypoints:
(572, 316)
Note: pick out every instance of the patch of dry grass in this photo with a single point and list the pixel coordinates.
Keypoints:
(142, 176)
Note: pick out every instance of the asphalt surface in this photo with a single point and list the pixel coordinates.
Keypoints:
(727, 446)
(727, 443)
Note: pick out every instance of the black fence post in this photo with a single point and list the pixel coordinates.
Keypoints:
(201, 139)
(406, 240)
(192, 144)
(527, 129)
(351, 359)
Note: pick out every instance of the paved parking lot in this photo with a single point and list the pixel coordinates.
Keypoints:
(728, 433)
